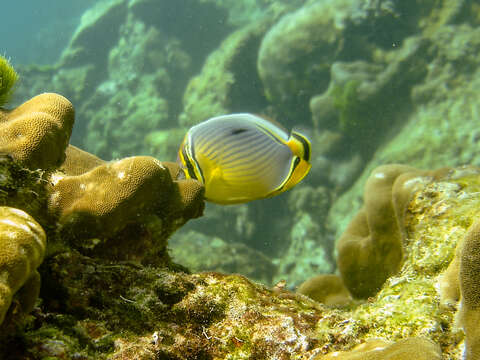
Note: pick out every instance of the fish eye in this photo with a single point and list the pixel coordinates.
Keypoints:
(238, 131)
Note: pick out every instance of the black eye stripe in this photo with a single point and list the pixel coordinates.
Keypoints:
(190, 171)
(306, 146)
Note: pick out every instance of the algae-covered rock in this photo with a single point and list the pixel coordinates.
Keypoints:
(440, 127)
(353, 103)
(228, 81)
(120, 309)
(201, 253)
(85, 45)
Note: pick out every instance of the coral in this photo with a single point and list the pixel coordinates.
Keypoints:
(356, 99)
(443, 99)
(22, 244)
(154, 313)
(96, 308)
(78, 161)
(8, 78)
(327, 289)
(412, 348)
(370, 249)
(469, 312)
(102, 201)
(37, 132)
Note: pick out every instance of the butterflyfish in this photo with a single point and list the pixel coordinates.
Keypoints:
(244, 157)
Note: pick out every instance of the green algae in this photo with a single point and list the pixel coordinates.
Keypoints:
(349, 107)
(23, 188)
(8, 78)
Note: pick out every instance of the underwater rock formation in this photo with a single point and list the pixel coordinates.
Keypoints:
(310, 36)
(437, 128)
(224, 85)
(371, 248)
(430, 123)
(121, 309)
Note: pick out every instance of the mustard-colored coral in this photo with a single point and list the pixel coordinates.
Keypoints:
(103, 200)
(412, 348)
(37, 132)
(469, 313)
(78, 161)
(22, 247)
(370, 249)
(327, 289)
(8, 78)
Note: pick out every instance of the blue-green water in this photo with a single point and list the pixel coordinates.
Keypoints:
(36, 32)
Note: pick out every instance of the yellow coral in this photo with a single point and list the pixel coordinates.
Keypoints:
(103, 200)
(327, 289)
(408, 349)
(111, 194)
(469, 313)
(22, 244)
(78, 161)
(37, 132)
(370, 249)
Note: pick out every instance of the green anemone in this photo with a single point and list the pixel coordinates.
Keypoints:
(8, 78)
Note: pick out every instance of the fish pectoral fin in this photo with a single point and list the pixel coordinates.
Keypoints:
(216, 176)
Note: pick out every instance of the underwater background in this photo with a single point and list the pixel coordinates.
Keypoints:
(370, 82)
(366, 79)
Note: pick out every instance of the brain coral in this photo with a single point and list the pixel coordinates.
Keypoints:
(412, 348)
(37, 132)
(92, 199)
(22, 244)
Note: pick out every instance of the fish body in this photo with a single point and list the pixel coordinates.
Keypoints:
(244, 157)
